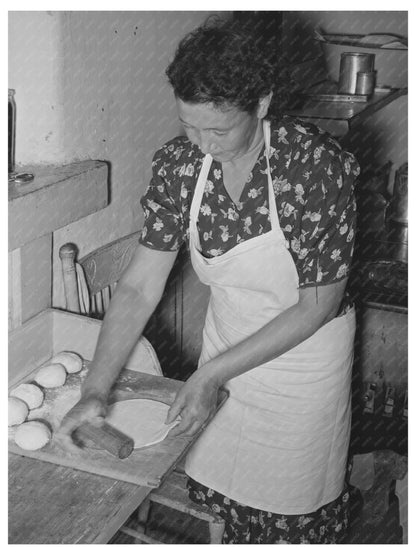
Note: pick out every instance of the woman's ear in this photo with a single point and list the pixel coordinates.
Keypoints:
(263, 106)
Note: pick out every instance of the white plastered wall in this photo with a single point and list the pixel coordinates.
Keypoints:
(91, 85)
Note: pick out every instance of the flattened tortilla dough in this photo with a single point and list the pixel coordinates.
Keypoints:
(141, 419)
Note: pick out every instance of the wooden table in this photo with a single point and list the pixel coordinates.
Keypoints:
(56, 504)
(51, 504)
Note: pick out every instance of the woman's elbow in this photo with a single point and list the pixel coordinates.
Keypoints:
(322, 303)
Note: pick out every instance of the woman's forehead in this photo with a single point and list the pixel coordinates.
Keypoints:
(208, 116)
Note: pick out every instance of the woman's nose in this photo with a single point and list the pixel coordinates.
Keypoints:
(206, 143)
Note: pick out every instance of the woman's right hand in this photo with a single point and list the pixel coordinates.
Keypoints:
(91, 409)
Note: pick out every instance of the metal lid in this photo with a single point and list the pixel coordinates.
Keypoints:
(350, 54)
(23, 178)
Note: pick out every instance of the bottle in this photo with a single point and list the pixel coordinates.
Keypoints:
(11, 131)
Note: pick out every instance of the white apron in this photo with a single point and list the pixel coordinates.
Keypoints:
(280, 442)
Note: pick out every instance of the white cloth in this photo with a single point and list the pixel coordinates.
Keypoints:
(280, 442)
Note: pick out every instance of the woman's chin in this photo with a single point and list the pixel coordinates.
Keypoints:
(222, 157)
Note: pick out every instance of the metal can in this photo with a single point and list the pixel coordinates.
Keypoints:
(366, 81)
(351, 64)
(11, 130)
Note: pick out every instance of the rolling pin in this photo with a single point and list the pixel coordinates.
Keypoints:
(105, 437)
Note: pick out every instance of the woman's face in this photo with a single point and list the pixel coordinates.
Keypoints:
(226, 134)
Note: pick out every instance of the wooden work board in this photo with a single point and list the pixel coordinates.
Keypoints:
(146, 466)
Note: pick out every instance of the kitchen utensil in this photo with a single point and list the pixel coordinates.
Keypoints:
(366, 81)
(352, 63)
(105, 437)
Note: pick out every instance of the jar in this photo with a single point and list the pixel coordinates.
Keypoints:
(11, 131)
(351, 64)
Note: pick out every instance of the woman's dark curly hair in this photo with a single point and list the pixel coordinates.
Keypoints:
(224, 62)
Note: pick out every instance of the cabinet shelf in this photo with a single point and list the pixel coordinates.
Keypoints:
(58, 196)
(309, 106)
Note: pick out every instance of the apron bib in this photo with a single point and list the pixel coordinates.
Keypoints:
(280, 442)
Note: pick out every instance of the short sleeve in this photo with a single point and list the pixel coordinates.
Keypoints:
(328, 222)
(163, 227)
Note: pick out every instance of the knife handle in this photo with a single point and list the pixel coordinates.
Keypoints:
(104, 436)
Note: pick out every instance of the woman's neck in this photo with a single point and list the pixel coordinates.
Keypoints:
(251, 154)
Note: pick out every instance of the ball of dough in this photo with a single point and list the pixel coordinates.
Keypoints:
(32, 435)
(30, 393)
(18, 410)
(51, 375)
(72, 361)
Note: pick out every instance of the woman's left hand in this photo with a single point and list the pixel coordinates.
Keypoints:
(195, 402)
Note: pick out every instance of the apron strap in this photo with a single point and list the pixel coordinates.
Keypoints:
(200, 188)
(274, 218)
(196, 201)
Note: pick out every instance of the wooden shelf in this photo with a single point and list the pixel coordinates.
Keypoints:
(58, 196)
(346, 114)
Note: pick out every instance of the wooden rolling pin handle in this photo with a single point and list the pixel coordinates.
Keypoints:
(106, 437)
(67, 254)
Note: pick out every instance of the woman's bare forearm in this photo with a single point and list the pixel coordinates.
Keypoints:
(123, 324)
(138, 292)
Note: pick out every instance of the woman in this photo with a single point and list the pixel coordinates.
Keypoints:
(266, 205)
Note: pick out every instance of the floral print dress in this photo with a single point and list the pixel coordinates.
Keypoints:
(245, 525)
(313, 181)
